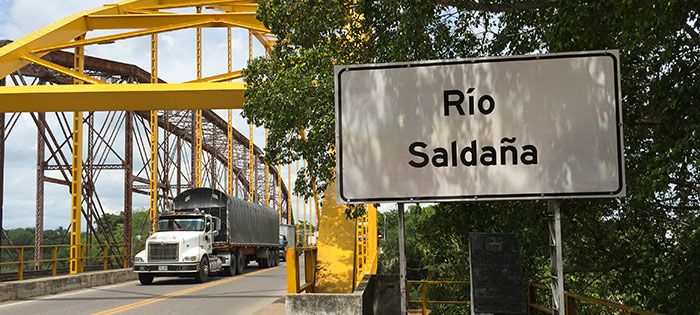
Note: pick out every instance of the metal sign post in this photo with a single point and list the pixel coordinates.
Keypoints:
(402, 261)
(554, 213)
(534, 127)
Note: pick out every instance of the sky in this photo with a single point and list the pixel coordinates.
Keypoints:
(177, 63)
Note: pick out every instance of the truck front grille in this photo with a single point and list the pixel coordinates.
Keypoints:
(162, 252)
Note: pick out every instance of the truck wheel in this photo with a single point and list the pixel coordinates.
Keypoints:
(240, 263)
(145, 279)
(265, 262)
(227, 271)
(203, 273)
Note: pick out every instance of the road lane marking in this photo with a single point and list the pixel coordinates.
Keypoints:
(166, 296)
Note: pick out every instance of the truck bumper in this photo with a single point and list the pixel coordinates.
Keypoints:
(166, 268)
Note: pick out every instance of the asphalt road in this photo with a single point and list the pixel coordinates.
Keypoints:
(242, 294)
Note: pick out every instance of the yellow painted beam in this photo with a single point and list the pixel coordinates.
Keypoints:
(115, 37)
(58, 68)
(372, 247)
(267, 173)
(122, 97)
(221, 77)
(139, 11)
(115, 16)
(230, 184)
(238, 7)
(76, 249)
(251, 157)
(292, 271)
(184, 4)
(198, 155)
(265, 39)
(153, 161)
(134, 21)
(62, 31)
(290, 189)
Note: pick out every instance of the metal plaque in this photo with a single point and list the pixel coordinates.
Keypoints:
(497, 282)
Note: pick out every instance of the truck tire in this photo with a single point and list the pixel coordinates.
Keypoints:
(145, 279)
(231, 269)
(227, 271)
(268, 262)
(203, 272)
(265, 262)
(240, 263)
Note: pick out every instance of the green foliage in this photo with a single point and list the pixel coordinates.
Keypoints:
(643, 250)
(108, 231)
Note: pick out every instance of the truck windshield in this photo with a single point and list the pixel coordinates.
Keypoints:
(180, 224)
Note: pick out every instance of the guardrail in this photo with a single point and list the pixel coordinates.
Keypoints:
(424, 301)
(98, 255)
(573, 301)
(293, 282)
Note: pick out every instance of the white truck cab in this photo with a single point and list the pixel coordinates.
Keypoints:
(181, 246)
(205, 232)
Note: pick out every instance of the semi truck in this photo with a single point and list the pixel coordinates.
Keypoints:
(208, 232)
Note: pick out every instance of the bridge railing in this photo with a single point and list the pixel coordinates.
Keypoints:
(424, 301)
(294, 284)
(18, 262)
(366, 254)
(575, 303)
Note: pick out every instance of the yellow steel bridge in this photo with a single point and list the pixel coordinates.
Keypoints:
(170, 124)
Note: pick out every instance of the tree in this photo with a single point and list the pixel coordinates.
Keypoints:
(643, 249)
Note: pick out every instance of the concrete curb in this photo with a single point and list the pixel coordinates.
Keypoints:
(19, 290)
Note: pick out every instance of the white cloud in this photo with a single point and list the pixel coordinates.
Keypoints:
(177, 61)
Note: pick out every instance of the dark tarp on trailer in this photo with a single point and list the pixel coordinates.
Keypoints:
(247, 223)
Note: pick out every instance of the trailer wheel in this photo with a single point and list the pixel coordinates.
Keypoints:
(145, 279)
(240, 263)
(270, 261)
(203, 273)
(227, 271)
(265, 262)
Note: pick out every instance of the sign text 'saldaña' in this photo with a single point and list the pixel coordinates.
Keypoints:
(471, 155)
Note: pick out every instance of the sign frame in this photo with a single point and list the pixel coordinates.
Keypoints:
(621, 184)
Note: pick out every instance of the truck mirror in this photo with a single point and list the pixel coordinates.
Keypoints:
(138, 237)
(208, 226)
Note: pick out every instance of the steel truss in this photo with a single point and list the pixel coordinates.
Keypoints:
(185, 150)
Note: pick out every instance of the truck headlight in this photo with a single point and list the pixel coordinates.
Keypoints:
(190, 258)
(138, 259)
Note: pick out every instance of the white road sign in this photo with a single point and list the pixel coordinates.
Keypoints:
(528, 127)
